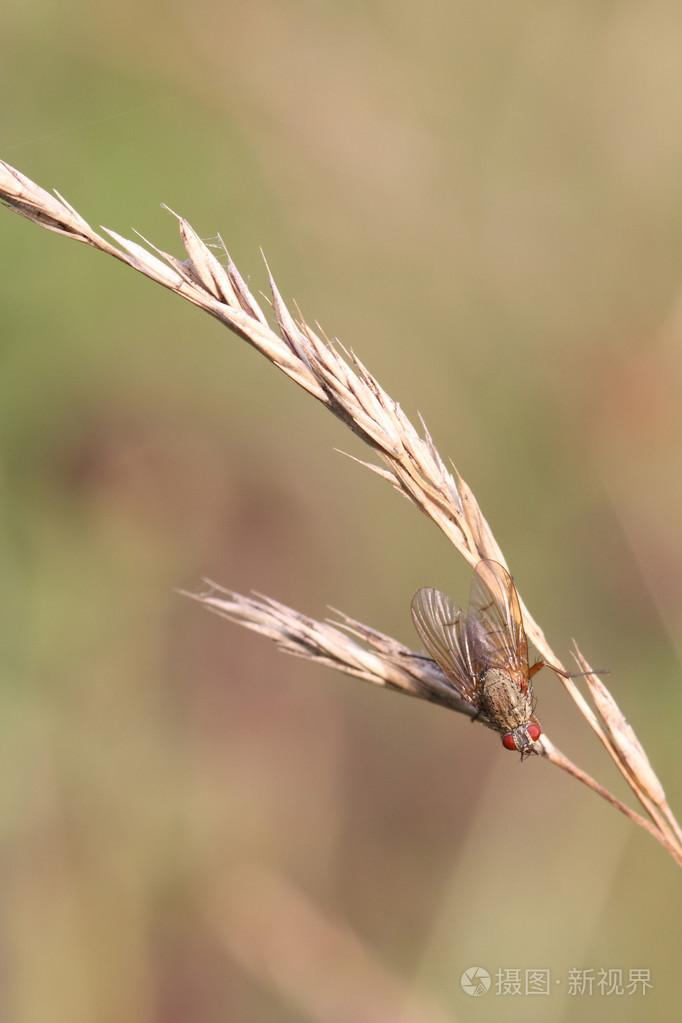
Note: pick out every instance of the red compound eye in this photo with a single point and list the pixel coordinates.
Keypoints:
(533, 731)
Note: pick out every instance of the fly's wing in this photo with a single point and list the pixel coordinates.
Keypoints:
(441, 624)
(494, 626)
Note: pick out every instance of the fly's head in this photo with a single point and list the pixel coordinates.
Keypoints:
(522, 739)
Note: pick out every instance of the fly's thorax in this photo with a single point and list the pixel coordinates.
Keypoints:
(503, 701)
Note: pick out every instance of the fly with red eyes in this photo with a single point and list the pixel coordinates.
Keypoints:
(484, 653)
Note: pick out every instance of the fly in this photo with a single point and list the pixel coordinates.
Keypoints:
(484, 653)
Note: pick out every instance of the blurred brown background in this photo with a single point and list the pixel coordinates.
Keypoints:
(483, 201)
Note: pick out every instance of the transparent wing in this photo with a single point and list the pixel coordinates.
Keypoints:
(494, 626)
(441, 625)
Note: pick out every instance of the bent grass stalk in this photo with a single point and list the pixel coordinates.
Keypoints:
(410, 463)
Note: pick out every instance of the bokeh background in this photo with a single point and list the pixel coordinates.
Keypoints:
(484, 202)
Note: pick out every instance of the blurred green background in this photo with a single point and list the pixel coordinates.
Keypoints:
(484, 202)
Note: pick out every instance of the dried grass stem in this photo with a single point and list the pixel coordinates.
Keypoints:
(411, 464)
